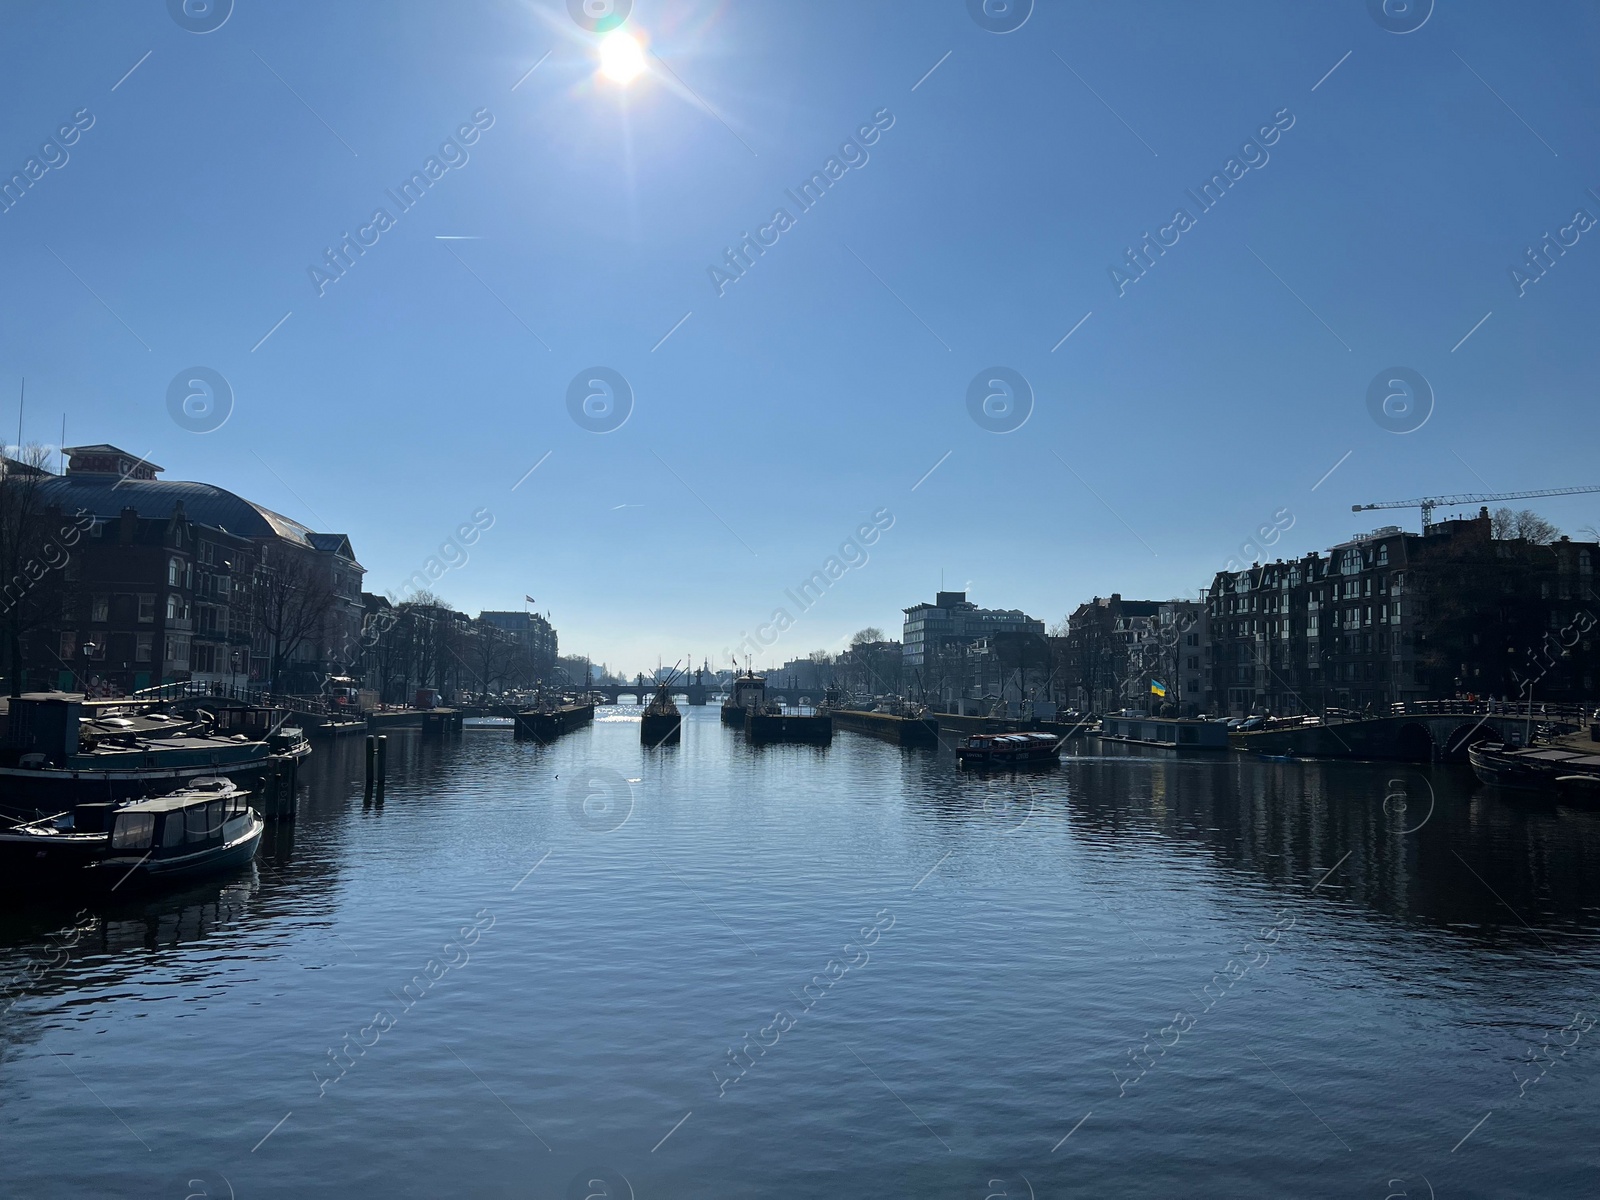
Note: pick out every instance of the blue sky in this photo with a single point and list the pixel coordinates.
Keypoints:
(817, 389)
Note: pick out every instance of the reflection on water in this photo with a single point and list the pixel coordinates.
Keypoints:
(571, 944)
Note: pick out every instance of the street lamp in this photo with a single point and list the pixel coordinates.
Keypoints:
(88, 649)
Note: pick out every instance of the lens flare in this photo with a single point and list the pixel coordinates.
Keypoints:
(621, 58)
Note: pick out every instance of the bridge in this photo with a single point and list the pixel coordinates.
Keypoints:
(1414, 731)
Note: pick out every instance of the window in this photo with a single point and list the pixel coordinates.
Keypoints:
(142, 645)
(176, 609)
(198, 821)
(172, 829)
(69, 645)
(99, 608)
(134, 831)
(147, 607)
(174, 571)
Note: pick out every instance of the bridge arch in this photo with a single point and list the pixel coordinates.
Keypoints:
(1413, 742)
(1465, 735)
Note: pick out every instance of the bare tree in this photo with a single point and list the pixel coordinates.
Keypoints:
(492, 656)
(292, 600)
(1526, 524)
(33, 546)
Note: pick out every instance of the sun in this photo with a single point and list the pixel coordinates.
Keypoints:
(621, 58)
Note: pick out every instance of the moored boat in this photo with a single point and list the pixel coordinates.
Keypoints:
(1536, 768)
(770, 723)
(749, 691)
(992, 750)
(1183, 734)
(206, 827)
(661, 724)
(549, 721)
(748, 709)
(55, 757)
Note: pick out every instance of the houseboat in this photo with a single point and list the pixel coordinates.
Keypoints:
(990, 751)
(749, 691)
(105, 846)
(1183, 734)
(54, 756)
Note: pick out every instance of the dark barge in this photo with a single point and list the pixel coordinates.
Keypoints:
(546, 725)
(661, 723)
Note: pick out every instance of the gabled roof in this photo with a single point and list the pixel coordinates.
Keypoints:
(333, 543)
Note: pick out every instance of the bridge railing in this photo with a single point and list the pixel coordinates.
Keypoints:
(260, 697)
(1540, 712)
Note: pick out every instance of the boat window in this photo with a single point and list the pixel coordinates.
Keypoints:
(133, 831)
(172, 828)
(199, 822)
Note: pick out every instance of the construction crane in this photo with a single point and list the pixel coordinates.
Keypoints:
(1428, 503)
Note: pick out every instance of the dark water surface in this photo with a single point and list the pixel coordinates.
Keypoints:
(798, 972)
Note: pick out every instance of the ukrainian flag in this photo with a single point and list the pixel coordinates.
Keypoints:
(1158, 688)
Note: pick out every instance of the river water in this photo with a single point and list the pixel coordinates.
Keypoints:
(717, 970)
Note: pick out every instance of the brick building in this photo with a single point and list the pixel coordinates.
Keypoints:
(1393, 616)
(177, 581)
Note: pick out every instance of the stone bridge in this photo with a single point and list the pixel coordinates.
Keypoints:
(693, 694)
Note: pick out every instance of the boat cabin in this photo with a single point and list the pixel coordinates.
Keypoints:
(749, 691)
(196, 819)
(1177, 732)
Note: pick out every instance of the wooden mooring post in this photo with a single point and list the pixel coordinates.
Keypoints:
(277, 790)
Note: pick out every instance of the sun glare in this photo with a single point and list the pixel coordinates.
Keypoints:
(621, 58)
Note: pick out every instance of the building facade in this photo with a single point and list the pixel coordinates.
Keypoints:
(534, 634)
(1392, 616)
(935, 639)
(186, 582)
(1100, 673)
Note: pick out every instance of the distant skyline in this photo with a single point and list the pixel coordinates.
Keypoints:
(1063, 311)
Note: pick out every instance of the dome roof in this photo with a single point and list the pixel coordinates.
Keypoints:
(105, 496)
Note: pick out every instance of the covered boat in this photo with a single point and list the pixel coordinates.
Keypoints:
(106, 846)
(1009, 750)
